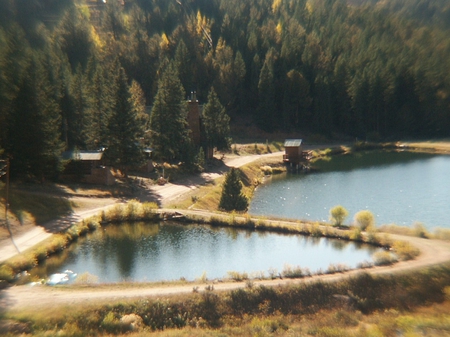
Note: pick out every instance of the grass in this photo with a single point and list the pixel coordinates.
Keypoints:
(207, 197)
(362, 305)
(132, 211)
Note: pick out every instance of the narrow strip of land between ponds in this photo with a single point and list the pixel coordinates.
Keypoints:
(433, 252)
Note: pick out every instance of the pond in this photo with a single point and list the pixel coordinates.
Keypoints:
(397, 187)
(171, 251)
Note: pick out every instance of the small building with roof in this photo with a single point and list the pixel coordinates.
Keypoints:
(293, 151)
(87, 167)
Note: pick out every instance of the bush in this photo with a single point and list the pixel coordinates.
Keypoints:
(149, 210)
(356, 234)
(295, 272)
(405, 251)
(364, 219)
(383, 258)
(338, 214)
(86, 278)
(267, 170)
(23, 262)
(57, 243)
(6, 273)
(420, 231)
(237, 276)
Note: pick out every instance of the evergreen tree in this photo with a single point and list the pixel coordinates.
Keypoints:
(125, 127)
(266, 94)
(34, 140)
(76, 115)
(99, 110)
(169, 129)
(296, 100)
(232, 197)
(216, 123)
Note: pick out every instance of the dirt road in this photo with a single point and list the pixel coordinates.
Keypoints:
(19, 297)
(27, 297)
(163, 194)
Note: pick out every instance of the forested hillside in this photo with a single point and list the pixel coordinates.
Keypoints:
(70, 69)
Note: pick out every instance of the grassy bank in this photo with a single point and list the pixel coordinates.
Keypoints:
(132, 211)
(207, 197)
(410, 304)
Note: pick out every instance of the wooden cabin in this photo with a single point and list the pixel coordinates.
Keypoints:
(87, 167)
(293, 151)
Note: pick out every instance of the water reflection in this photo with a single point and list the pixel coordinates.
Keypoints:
(397, 187)
(170, 251)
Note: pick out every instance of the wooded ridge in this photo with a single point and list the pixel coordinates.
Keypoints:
(79, 74)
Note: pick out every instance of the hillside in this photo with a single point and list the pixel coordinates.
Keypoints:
(375, 70)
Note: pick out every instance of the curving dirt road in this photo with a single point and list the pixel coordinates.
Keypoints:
(163, 194)
(26, 297)
(19, 297)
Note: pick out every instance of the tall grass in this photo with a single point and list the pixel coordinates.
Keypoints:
(350, 305)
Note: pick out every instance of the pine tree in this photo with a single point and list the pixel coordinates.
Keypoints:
(266, 94)
(34, 140)
(76, 115)
(169, 129)
(125, 129)
(216, 123)
(232, 197)
(99, 110)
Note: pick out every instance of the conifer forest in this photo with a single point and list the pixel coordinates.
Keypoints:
(85, 74)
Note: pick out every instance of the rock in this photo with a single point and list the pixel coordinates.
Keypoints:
(131, 321)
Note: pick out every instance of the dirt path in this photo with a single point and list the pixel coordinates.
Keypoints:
(91, 206)
(26, 297)
(19, 297)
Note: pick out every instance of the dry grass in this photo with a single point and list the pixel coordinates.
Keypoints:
(442, 146)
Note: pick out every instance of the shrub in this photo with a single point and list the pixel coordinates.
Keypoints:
(6, 273)
(337, 268)
(115, 213)
(149, 210)
(315, 230)
(372, 236)
(420, 231)
(41, 253)
(295, 272)
(338, 214)
(267, 170)
(86, 278)
(23, 262)
(111, 323)
(364, 219)
(356, 234)
(383, 258)
(405, 251)
(93, 222)
(442, 234)
(57, 243)
(237, 276)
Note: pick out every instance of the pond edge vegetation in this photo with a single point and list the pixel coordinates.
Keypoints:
(136, 211)
(253, 174)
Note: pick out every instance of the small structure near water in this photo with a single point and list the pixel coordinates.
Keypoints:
(294, 155)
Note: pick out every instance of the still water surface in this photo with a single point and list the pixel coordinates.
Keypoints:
(170, 251)
(398, 187)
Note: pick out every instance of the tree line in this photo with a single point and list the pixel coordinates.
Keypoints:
(79, 74)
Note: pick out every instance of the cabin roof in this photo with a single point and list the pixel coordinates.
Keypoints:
(82, 155)
(292, 142)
